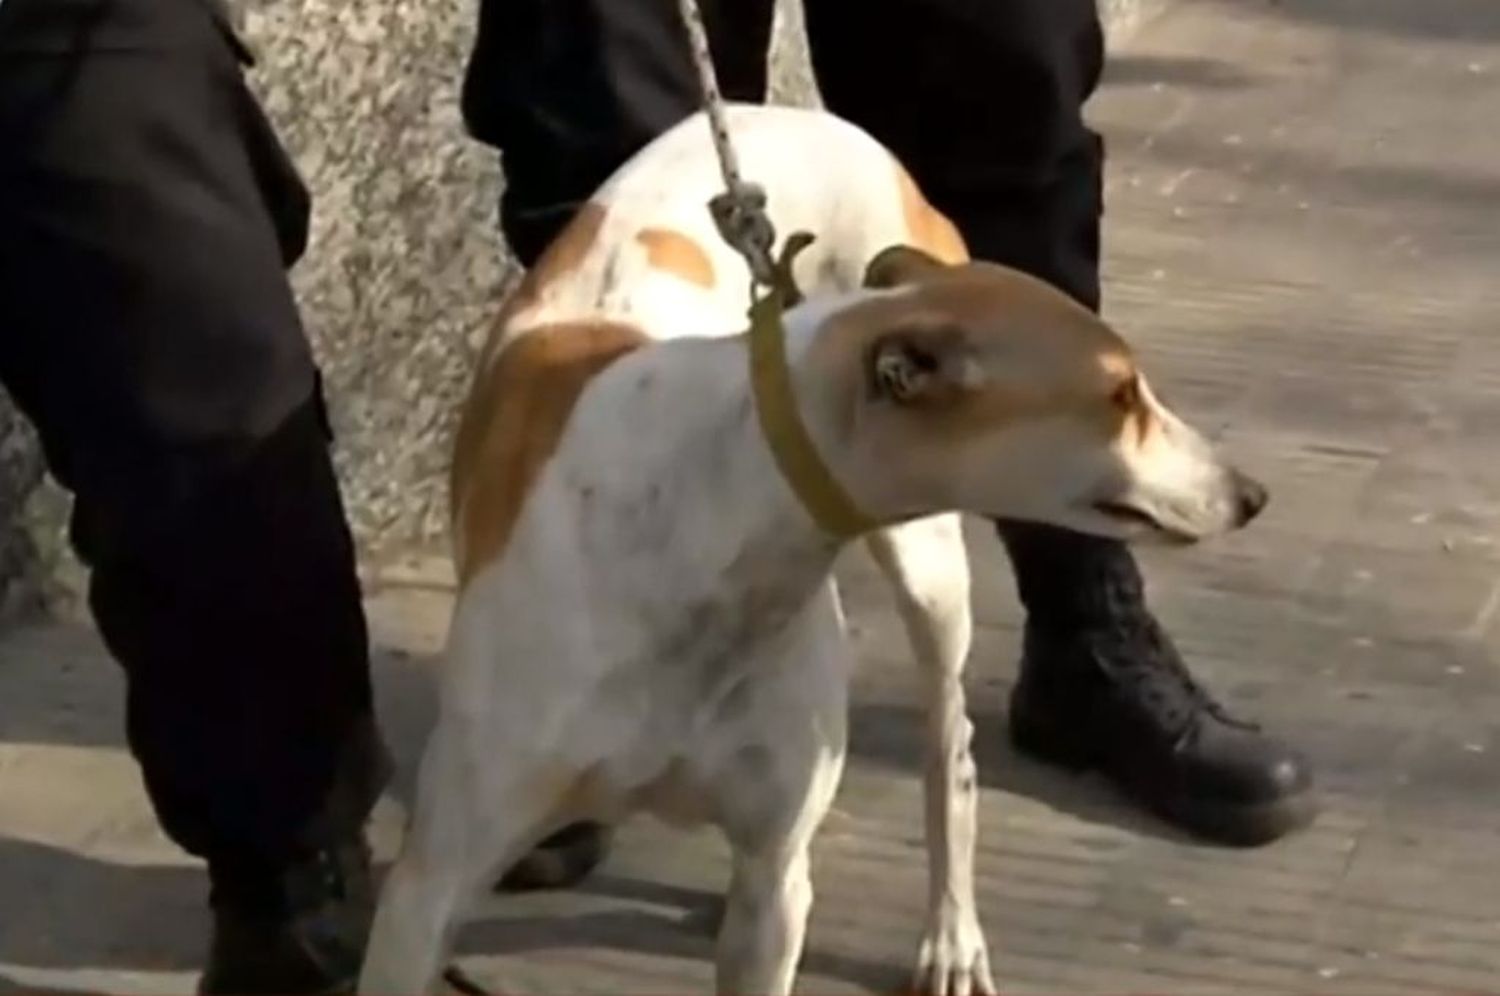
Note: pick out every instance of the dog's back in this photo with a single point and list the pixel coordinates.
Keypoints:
(645, 251)
(642, 261)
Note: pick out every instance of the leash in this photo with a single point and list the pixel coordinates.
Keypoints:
(740, 211)
(740, 215)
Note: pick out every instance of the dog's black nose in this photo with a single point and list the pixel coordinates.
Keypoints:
(1250, 498)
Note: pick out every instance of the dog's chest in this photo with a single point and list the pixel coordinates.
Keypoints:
(708, 689)
(708, 634)
(725, 749)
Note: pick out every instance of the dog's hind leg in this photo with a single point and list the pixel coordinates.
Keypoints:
(927, 564)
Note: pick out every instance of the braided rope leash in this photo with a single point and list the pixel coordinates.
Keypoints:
(740, 211)
(740, 215)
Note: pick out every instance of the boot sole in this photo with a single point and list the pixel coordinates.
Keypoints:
(1231, 824)
(1239, 825)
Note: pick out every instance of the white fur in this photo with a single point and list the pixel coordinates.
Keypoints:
(663, 632)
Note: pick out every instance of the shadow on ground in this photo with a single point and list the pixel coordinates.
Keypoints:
(159, 901)
(891, 736)
(144, 918)
(688, 932)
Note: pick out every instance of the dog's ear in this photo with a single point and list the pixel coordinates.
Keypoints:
(924, 365)
(897, 265)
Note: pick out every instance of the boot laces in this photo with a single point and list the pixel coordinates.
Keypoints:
(1141, 658)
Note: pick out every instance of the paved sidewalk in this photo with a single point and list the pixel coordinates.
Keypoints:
(1303, 236)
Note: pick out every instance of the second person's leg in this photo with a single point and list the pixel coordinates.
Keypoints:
(982, 100)
(567, 90)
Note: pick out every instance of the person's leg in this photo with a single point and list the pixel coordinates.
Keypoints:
(566, 91)
(149, 331)
(982, 100)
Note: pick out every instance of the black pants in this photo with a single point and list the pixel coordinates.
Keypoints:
(147, 328)
(981, 99)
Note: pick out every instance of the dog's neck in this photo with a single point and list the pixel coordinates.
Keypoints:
(773, 519)
(707, 471)
(819, 402)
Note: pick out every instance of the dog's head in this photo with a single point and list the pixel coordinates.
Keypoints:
(978, 388)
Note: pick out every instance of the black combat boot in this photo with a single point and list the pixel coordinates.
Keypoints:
(1102, 687)
(300, 929)
(304, 930)
(563, 859)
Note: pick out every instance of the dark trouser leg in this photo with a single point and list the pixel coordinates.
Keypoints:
(982, 99)
(149, 331)
(567, 90)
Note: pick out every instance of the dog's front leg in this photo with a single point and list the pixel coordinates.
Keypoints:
(480, 805)
(425, 890)
(772, 798)
(954, 958)
(927, 564)
(765, 923)
(465, 827)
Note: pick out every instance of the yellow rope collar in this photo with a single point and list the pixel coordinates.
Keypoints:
(780, 422)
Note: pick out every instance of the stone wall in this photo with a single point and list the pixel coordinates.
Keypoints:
(404, 269)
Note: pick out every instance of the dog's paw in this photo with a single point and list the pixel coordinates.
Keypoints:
(953, 959)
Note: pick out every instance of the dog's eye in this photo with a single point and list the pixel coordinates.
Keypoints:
(1127, 396)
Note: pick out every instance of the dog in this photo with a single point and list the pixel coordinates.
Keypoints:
(647, 618)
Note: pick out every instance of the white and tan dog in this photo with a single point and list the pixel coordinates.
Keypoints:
(647, 618)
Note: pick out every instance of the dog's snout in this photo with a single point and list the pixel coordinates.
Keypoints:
(1250, 497)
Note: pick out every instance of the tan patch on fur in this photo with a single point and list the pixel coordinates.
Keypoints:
(561, 257)
(1145, 426)
(675, 253)
(928, 228)
(1120, 365)
(515, 418)
(1131, 402)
